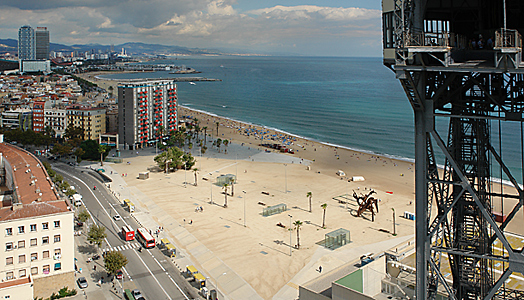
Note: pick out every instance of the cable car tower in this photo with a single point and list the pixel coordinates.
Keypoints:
(460, 63)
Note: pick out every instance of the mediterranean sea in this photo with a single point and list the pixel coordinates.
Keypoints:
(350, 102)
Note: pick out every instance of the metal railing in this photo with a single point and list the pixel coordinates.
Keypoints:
(508, 38)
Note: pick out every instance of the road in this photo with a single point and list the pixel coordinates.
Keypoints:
(148, 270)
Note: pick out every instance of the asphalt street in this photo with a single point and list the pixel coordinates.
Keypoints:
(149, 270)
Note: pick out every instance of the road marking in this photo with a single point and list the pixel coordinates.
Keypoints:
(94, 221)
(154, 277)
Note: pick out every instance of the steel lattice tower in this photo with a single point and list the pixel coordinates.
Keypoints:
(428, 44)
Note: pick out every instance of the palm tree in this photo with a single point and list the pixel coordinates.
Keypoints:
(225, 194)
(205, 134)
(297, 224)
(309, 195)
(324, 206)
(232, 181)
(226, 142)
(218, 124)
(195, 170)
(101, 150)
(219, 142)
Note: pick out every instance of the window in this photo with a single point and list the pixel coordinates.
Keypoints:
(9, 231)
(58, 266)
(34, 270)
(45, 254)
(9, 275)
(21, 229)
(57, 238)
(8, 246)
(34, 256)
(45, 269)
(45, 240)
(57, 224)
(45, 226)
(33, 227)
(9, 260)
(58, 252)
(21, 273)
(33, 242)
(21, 244)
(21, 259)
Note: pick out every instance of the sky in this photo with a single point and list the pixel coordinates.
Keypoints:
(301, 27)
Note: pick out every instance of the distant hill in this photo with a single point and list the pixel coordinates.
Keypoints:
(11, 45)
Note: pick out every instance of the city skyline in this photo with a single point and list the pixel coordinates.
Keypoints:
(317, 28)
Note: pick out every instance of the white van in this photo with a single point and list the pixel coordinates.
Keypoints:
(77, 199)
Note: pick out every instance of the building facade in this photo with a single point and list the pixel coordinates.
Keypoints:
(91, 120)
(56, 119)
(42, 43)
(146, 110)
(37, 254)
(38, 116)
(17, 119)
(26, 43)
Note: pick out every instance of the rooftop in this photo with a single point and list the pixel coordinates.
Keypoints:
(34, 189)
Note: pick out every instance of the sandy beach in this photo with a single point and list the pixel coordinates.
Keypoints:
(259, 252)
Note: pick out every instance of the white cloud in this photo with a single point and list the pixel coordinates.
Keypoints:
(200, 23)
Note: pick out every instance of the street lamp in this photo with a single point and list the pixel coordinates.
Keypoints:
(290, 216)
(394, 225)
(216, 280)
(185, 175)
(244, 207)
(285, 176)
(211, 187)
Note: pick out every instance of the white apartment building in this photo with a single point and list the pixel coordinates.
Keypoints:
(36, 226)
(55, 118)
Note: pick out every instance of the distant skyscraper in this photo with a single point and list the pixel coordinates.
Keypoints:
(26, 43)
(42, 43)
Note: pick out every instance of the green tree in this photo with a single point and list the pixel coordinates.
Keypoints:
(78, 153)
(195, 171)
(114, 261)
(173, 158)
(324, 206)
(205, 134)
(225, 186)
(70, 192)
(297, 224)
(96, 235)
(64, 185)
(309, 195)
(83, 216)
(74, 134)
(218, 124)
(58, 178)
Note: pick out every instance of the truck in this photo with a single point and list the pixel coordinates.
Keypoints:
(129, 205)
(76, 199)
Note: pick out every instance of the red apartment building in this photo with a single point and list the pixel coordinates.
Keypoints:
(38, 116)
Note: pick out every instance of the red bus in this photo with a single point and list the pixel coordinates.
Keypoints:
(128, 233)
(145, 238)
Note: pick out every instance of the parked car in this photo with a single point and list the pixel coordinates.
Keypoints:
(119, 274)
(117, 217)
(137, 294)
(82, 282)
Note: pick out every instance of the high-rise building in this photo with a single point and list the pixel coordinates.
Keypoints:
(146, 111)
(42, 43)
(26, 43)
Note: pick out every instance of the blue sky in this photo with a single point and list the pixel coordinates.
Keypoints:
(303, 27)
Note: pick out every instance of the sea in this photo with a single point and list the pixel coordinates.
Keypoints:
(355, 103)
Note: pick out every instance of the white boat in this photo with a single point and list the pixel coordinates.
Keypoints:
(191, 82)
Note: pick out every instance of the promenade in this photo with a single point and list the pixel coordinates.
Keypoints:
(250, 262)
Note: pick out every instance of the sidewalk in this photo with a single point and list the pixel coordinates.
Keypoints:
(104, 291)
(189, 250)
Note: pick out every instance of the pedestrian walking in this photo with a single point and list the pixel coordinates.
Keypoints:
(94, 268)
(320, 269)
